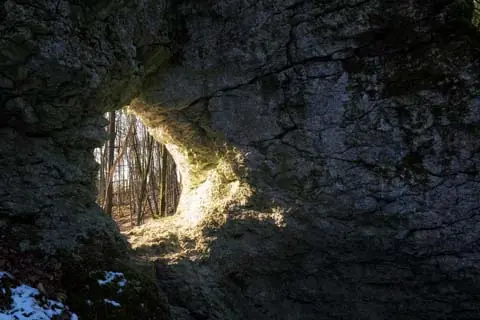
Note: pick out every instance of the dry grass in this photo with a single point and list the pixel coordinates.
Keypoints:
(182, 235)
(167, 237)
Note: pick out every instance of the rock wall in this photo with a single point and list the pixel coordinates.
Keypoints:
(359, 124)
(62, 64)
(356, 123)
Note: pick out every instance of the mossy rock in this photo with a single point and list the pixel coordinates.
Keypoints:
(132, 294)
(137, 298)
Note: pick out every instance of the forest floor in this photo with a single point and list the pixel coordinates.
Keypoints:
(167, 238)
(121, 215)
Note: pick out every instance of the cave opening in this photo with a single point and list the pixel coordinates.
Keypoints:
(204, 178)
(138, 179)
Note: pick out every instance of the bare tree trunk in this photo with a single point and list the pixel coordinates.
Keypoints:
(111, 170)
(143, 172)
(111, 155)
(153, 186)
(100, 156)
(163, 182)
(175, 185)
(131, 187)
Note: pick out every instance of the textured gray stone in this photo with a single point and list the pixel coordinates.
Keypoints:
(358, 119)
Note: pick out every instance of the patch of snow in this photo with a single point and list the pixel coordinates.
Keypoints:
(122, 283)
(111, 276)
(114, 303)
(26, 305)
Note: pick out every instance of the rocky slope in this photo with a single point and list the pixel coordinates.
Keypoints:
(335, 145)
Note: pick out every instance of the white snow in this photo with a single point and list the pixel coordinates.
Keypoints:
(111, 276)
(3, 273)
(29, 304)
(114, 303)
(122, 283)
(26, 304)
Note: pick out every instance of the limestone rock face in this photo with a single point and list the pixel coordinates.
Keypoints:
(357, 122)
(359, 119)
(62, 63)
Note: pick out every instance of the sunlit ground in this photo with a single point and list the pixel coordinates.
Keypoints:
(182, 234)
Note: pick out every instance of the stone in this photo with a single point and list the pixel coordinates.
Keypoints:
(336, 141)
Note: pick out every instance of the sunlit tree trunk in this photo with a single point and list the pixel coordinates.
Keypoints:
(111, 156)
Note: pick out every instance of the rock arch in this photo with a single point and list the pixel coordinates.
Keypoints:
(357, 121)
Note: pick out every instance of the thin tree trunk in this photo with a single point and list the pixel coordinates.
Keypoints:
(101, 174)
(111, 170)
(153, 186)
(111, 155)
(143, 178)
(131, 187)
(163, 182)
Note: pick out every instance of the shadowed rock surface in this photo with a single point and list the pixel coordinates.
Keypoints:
(353, 124)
